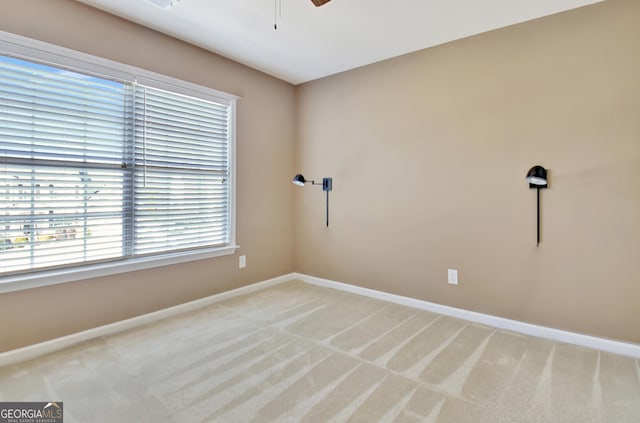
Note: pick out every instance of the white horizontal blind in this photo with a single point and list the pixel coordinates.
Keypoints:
(181, 175)
(61, 179)
(94, 169)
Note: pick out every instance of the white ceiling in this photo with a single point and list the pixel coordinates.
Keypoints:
(313, 42)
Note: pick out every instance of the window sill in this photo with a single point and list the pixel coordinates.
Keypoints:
(58, 276)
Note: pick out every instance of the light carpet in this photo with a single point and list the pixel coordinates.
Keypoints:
(301, 353)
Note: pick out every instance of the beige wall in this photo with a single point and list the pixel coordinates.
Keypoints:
(429, 154)
(265, 136)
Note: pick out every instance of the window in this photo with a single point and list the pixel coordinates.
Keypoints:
(181, 196)
(101, 168)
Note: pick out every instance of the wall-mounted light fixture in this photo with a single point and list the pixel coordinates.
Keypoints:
(537, 178)
(327, 185)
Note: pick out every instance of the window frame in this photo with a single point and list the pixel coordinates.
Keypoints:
(28, 49)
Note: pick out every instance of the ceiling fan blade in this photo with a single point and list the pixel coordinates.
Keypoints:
(320, 2)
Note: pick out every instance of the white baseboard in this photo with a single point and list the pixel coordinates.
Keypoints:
(603, 344)
(36, 350)
(33, 351)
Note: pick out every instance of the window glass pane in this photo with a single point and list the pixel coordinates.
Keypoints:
(177, 210)
(61, 177)
(53, 216)
(181, 172)
(54, 114)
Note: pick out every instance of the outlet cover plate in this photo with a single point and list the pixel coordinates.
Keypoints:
(452, 276)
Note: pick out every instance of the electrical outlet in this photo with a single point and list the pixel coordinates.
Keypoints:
(243, 262)
(453, 276)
